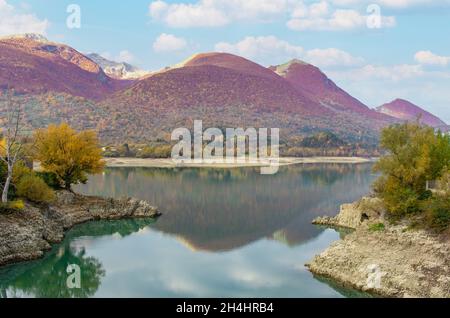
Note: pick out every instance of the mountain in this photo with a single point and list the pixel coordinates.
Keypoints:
(226, 90)
(219, 80)
(407, 111)
(117, 70)
(230, 61)
(314, 84)
(31, 64)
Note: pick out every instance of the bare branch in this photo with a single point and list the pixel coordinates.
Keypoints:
(14, 145)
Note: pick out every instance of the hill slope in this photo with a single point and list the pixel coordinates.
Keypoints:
(225, 90)
(31, 64)
(314, 84)
(405, 110)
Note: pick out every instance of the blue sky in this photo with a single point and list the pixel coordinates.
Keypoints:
(404, 51)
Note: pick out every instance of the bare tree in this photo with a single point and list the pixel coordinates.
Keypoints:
(12, 133)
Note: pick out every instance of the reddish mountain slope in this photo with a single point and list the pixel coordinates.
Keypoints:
(405, 110)
(231, 61)
(31, 64)
(225, 90)
(313, 83)
(217, 80)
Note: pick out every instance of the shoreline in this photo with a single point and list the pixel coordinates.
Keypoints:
(284, 161)
(27, 234)
(395, 261)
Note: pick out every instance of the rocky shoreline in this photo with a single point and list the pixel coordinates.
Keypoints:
(384, 259)
(26, 235)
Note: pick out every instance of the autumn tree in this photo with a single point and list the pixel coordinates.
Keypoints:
(68, 154)
(415, 155)
(11, 139)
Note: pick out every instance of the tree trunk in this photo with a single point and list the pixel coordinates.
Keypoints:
(7, 184)
(6, 190)
(68, 186)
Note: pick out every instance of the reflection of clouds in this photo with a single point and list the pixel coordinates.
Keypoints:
(223, 233)
(157, 265)
(78, 243)
(251, 278)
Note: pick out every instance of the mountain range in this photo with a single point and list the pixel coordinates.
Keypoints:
(125, 104)
(118, 70)
(33, 65)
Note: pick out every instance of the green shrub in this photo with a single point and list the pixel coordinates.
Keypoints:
(156, 152)
(399, 200)
(20, 170)
(415, 154)
(50, 179)
(33, 188)
(438, 212)
(377, 227)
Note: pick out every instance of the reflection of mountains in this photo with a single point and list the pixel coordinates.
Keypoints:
(47, 278)
(222, 209)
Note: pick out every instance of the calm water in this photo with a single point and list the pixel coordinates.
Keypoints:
(223, 233)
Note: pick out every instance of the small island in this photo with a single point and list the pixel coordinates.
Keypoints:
(400, 244)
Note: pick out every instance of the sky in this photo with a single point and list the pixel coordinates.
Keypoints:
(377, 50)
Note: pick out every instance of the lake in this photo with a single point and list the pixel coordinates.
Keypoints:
(223, 233)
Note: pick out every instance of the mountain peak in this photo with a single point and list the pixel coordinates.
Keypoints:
(405, 110)
(118, 70)
(27, 36)
(313, 83)
(229, 61)
(283, 69)
(33, 65)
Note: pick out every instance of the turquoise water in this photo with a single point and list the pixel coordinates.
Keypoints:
(223, 233)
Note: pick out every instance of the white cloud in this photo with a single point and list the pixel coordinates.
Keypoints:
(169, 43)
(213, 13)
(312, 18)
(126, 56)
(393, 73)
(14, 22)
(411, 3)
(396, 4)
(273, 50)
(377, 84)
(261, 47)
(187, 15)
(302, 15)
(429, 58)
(123, 56)
(332, 57)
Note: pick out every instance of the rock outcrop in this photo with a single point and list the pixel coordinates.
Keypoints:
(353, 215)
(27, 234)
(388, 260)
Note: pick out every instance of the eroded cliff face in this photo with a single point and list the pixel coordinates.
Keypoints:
(27, 234)
(390, 261)
(353, 215)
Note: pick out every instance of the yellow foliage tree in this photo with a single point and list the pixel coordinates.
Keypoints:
(2, 146)
(69, 155)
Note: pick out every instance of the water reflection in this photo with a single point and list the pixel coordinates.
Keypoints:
(47, 278)
(223, 233)
(221, 210)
